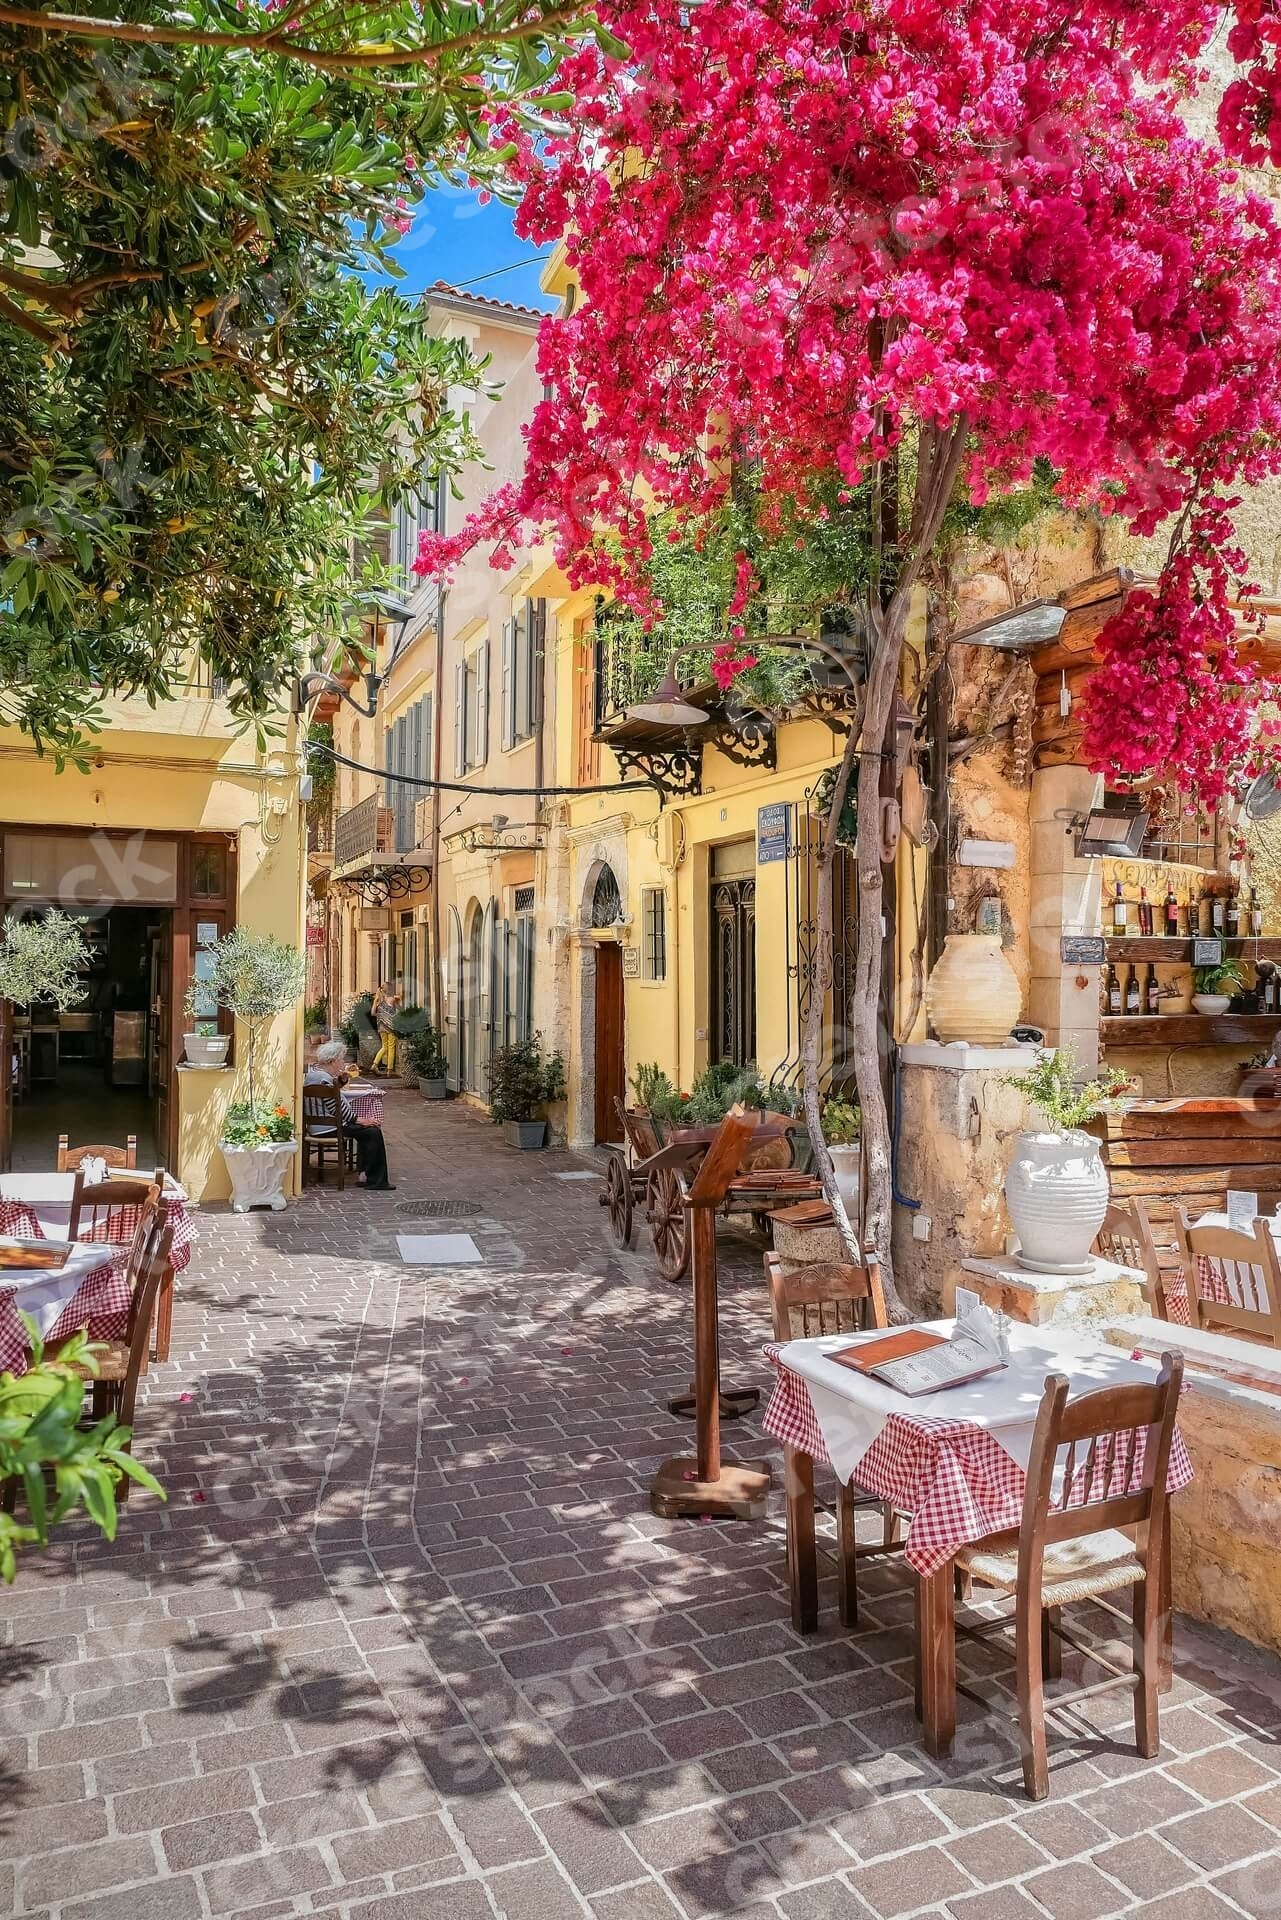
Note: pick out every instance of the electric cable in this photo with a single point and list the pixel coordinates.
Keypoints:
(466, 786)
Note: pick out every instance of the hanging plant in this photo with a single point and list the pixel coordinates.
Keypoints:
(847, 829)
(41, 960)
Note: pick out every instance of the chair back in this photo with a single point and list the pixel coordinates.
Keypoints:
(123, 1158)
(826, 1297)
(322, 1112)
(1099, 1461)
(154, 1250)
(103, 1206)
(1126, 1239)
(1234, 1279)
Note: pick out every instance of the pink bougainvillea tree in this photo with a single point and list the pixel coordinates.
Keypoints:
(917, 244)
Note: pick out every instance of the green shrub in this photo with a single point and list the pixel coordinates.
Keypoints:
(522, 1078)
(427, 1055)
(257, 1123)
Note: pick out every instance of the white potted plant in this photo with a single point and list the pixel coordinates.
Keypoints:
(1056, 1190)
(41, 960)
(256, 977)
(842, 1125)
(1215, 986)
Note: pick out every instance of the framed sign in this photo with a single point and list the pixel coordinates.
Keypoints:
(1207, 953)
(773, 832)
(206, 933)
(1083, 950)
(631, 963)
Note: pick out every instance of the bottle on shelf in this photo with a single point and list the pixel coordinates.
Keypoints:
(1113, 999)
(1145, 914)
(1171, 913)
(1233, 916)
(1133, 997)
(1120, 913)
(1270, 989)
(1218, 915)
(1256, 914)
(1152, 993)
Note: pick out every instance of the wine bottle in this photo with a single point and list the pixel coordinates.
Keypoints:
(1115, 1001)
(1270, 991)
(1171, 913)
(1218, 915)
(1256, 914)
(1234, 914)
(1133, 998)
(1145, 913)
(1152, 997)
(1120, 914)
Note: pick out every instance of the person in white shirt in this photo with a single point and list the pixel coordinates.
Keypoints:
(329, 1066)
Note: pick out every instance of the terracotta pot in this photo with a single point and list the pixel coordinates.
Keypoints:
(1057, 1194)
(973, 993)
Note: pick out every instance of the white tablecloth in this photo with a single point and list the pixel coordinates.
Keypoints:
(44, 1294)
(852, 1408)
(40, 1191)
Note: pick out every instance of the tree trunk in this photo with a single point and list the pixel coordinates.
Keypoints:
(820, 987)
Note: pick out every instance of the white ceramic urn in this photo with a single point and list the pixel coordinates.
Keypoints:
(973, 993)
(847, 1166)
(258, 1174)
(1056, 1192)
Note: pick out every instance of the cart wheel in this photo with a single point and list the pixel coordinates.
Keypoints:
(665, 1209)
(618, 1198)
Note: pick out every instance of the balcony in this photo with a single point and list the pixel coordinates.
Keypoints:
(376, 855)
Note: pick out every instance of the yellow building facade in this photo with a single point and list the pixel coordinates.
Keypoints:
(179, 831)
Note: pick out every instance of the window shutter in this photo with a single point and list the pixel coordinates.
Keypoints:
(389, 763)
(481, 752)
(460, 718)
(454, 1009)
(537, 659)
(508, 693)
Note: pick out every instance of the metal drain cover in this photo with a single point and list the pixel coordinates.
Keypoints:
(437, 1209)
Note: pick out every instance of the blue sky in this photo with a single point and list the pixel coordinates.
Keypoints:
(454, 238)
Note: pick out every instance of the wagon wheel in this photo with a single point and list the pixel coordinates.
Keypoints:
(618, 1199)
(665, 1210)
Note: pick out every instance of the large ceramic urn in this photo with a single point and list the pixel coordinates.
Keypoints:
(1056, 1193)
(973, 993)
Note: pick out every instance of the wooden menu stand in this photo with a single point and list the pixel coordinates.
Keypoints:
(707, 1484)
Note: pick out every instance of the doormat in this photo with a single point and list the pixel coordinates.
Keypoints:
(437, 1209)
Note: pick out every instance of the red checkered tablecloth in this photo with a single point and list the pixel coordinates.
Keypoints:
(100, 1303)
(366, 1107)
(118, 1229)
(953, 1478)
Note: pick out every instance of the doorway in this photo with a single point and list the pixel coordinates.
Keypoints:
(611, 1052)
(732, 956)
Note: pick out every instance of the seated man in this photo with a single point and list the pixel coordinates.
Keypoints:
(329, 1066)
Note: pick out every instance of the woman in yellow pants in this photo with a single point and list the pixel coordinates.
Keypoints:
(386, 1005)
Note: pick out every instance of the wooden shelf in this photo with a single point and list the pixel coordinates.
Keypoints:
(1187, 1029)
(1179, 952)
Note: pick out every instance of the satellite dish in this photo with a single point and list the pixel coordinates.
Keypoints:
(1263, 801)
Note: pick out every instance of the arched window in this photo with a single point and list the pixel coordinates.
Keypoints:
(607, 902)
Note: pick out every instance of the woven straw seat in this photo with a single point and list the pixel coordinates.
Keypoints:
(1079, 1569)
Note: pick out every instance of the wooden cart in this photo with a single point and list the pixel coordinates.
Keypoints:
(658, 1175)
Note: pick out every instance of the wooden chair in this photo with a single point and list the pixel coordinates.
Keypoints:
(1245, 1273)
(323, 1130)
(124, 1159)
(808, 1301)
(121, 1363)
(97, 1205)
(1126, 1239)
(1088, 1478)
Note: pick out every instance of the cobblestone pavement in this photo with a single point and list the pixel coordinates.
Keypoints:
(407, 1644)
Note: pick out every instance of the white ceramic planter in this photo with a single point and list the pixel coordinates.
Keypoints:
(846, 1164)
(1057, 1194)
(1212, 1002)
(258, 1174)
(206, 1049)
(973, 993)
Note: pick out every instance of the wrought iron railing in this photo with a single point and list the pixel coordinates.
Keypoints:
(365, 829)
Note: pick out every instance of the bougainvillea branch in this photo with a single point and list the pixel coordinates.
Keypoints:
(925, 245)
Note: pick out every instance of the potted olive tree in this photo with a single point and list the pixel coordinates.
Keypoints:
(256, 977)
(521, 1080)
(842, 1126)
(1056, 1190)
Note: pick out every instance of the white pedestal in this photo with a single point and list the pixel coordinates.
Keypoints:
(1054, 1299)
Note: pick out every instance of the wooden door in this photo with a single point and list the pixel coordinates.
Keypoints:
(171, 963)
(611, 1056)
(732, 971)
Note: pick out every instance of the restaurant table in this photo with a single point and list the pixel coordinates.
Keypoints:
(50, 1215)
(363, 1103)
(954, 1462)
(88, 1291)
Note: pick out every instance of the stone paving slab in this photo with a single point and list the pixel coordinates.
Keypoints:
(406, 1643)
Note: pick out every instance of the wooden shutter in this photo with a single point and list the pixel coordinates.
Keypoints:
(507, 695)
(486, 986)
(482, 705)
(537, 659)
(460, 718)
(455, 1006)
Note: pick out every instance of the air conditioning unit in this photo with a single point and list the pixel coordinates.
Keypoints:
(373, 920)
